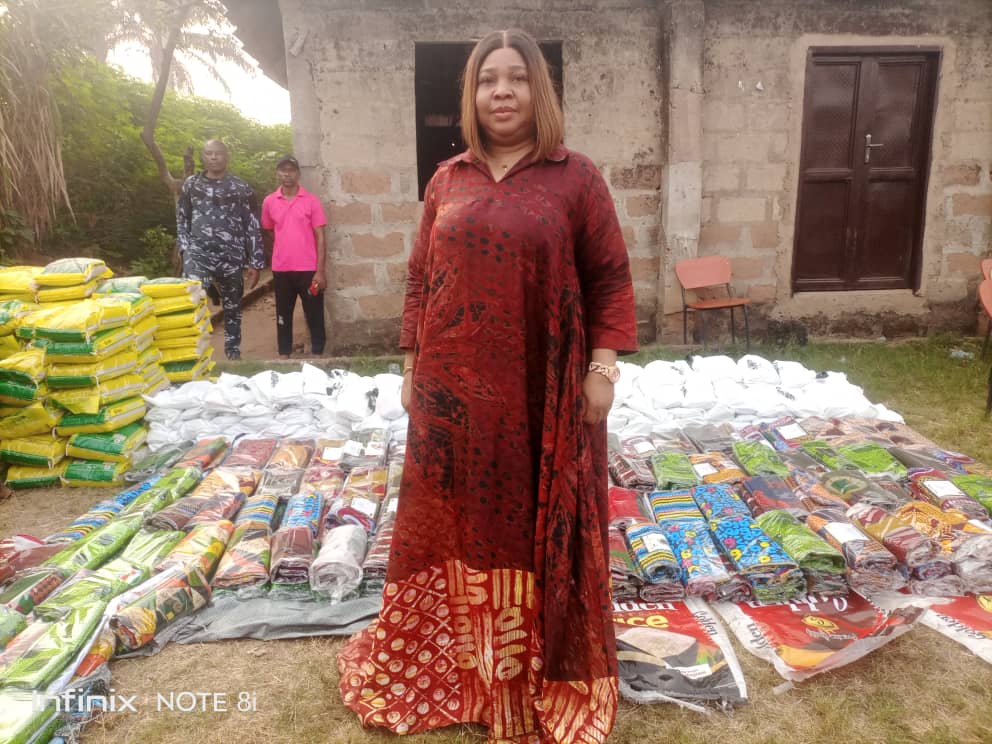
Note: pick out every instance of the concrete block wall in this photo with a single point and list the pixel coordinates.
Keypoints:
(753, 74)
(351, 79)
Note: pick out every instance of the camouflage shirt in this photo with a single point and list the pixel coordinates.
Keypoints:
(217, 223)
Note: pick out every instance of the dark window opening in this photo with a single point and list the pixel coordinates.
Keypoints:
(437, 86)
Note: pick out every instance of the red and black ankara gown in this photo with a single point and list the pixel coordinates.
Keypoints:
(496, 607)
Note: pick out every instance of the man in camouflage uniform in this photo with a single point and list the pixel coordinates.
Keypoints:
(218, 233)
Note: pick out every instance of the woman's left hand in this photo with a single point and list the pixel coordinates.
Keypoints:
(597, 395)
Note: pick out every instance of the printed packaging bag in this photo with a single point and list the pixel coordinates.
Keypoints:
(967, 620)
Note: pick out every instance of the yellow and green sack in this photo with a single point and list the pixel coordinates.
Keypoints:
(74, 321)
(182, 319)
(26, 367)
(16, 394)
(144, 332)
(186, 371)
(8, 346)
(18, 280)
(138, 306)
(127, 284)
(68, 272)
(30, 421)
(170, 286)
(102, 345)
(92, 373)
(38, 452)
(183, 349)
(64, 294)
(11, 313)
(27, 476)
(92, 473)
(111, 446)
(178, 303)
(109, 418)
(92, 399)
(190, 333)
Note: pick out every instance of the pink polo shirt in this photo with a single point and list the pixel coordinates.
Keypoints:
(294, 221)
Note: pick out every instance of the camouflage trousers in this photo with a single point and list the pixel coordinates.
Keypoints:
(231, 286)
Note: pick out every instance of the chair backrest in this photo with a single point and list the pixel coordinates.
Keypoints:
(987, 268)
(985, 296)
(708, 271)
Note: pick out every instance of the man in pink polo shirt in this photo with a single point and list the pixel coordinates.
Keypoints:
(297, 220)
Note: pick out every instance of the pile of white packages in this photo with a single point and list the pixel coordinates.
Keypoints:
(308, 403)
(658, 397)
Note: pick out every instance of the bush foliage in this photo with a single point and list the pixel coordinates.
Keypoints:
(123, 212)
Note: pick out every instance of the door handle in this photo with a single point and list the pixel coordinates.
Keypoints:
(868, 146)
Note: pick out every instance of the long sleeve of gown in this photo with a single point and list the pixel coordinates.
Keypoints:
(415, 273)
(604, 272)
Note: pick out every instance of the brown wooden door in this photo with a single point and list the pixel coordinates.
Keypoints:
(865, 155)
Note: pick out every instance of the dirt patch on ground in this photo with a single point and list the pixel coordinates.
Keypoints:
(258, 332)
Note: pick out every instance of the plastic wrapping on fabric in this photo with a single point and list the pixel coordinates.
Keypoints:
(826, 455)
(12, 622)
(29, 421)
(767, 493)
(205, 453)
(97, 547)
(871, 568)
(804, 638)
(93, 473)
(244, 567)
(718, 501)
(759, 459)
(113, 446)
(292, 454)
(38, 452)
(873, 460)
(69, 272)
(855, 488)
(625, 506)
(715, 467)
(377, 559)
(102, 585)
(967, 620)
(769, 571)
(964, 541)
(359, 499)
(293, 549)
(177, 515)
(201, 549)
(258, 511)
(655, 560)
(31, 588)
(43, 650)
(631, 472)
(221, 507)
(336, 572)
(675, 653)
(141, 613)
(822, 564)
(673, 471)
(935, 487)
(156, 462)
(95, 517)
(281, 483)
(978, 487)
(150, 546)
(23, 720)
(251, 452)
(625, 576)
(176, 483)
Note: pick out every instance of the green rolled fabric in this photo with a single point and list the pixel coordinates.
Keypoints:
(148, 547)
(801, 544)
(99, 546)
(12, 622)
(979, 487)
(824, 453)
(673, 471)
(101, 586)
(759, 459)
(176, 483)
(23, 720)
(873, 459)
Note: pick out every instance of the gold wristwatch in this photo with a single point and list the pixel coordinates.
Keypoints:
(610, 371)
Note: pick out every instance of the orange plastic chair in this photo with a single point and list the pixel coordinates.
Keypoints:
(701, 273)
(987, 268)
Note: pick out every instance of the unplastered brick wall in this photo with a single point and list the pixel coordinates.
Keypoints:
(753, 74)
(351, 79)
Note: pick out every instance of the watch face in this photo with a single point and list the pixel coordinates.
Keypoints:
(613, 374)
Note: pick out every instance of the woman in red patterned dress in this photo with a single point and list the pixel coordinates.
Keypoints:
(496, 608)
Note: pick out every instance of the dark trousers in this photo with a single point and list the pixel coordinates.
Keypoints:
(288, 286)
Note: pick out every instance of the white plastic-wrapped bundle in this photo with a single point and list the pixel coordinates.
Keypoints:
(337, 569)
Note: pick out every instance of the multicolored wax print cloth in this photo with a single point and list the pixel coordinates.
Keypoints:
(855, 488)
(245, 564)
(97, 516)
(716, 467)
(625, 576)
(785, 433)
(31, 587)
(630, 472)
(359, 500)
(177, 515)
(672, 471)
(376, 561)
(225, 480)
(719, 500)
(674, 506)
(99, 546)
(149, 546)
(757, 458)
(811, 493)
(871, 567)
(796, 459)
(656, 561)
(200, 549)
(900, 538)
(966, 542)
(768, 493)
(703, 571)
(258, 511)
(873, 460)
(934, 486)
(205, 454)
(822, 564)
(217, 508)
(639, 447)
(251, 453)
(922, 458)
(710, 438)
(979, 487)
(292, 454)
(823, 453)
(674, 440)
(625, 506)
(772, 575)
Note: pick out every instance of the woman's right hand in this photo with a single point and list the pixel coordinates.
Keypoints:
(406, 392)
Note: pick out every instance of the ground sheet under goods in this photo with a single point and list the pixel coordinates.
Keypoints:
(815, 525)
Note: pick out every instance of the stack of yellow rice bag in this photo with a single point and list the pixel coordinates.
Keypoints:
(183, 334)
(144, 325)
(69, 280)
(17, 282)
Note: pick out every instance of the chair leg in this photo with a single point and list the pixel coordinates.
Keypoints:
(685, 326)
(747, 332)
(988, 397)
(733, 332)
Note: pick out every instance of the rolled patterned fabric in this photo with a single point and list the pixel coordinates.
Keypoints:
(979, 487)
(217, 508)
(855, 488)
(785, 433)
(900, 538)
(150, 546)
(625, 506)
(822, 564)
(966, 542)
(703, 571)
(96, 517)
(716, 467)
(672, 470)
(652, 553)
(245, 564)
(811, 493)
(37, 655)
(625, 577)
(719, 500)
(870, 566)
(630, 472)
(204, 454)
(258, 511)
(176, 516)
(252, 453)
(201, 548)
(768, 493)
(873, 460)
(757, 458)
(827, 455)
(922, 458)
(674, 506)
(933, 486)
(772, 575)
(337, 570)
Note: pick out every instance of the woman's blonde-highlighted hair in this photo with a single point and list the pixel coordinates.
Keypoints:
(549, 122)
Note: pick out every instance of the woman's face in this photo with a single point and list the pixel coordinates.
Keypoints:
(502, 99)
